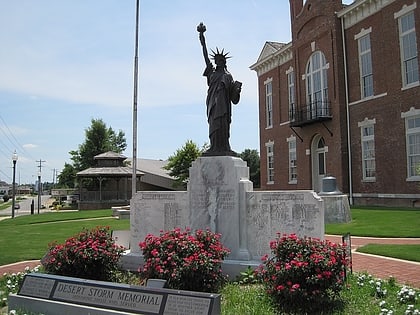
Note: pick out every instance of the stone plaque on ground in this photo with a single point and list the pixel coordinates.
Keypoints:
(115, 296)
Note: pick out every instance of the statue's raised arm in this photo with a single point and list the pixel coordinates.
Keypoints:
(201, 28)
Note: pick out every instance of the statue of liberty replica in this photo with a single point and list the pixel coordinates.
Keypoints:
(222, 92)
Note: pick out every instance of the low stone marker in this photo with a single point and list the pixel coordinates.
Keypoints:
(40, 292)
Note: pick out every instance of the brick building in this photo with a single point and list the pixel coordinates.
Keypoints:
(343, 99)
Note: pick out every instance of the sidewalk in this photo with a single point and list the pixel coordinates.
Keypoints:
(405, 272)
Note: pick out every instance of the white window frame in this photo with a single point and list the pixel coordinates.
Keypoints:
(409, 63)
(291, 93)
(368, 155)
(291, 141)
(412, 132)
(316, 85)
(270, 162)
(365, 63)
(268, 85)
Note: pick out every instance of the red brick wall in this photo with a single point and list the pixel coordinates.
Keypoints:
(390, 146)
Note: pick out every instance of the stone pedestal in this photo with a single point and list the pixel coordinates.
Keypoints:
(217, 189)
(336, 208)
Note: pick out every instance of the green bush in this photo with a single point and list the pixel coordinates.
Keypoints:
(6, 198)
(303, 274)
(91, 254)
(187, 261)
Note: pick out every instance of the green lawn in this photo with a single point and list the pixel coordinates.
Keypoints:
(5, 205)
(407, 252)
(27, 237)
(381, 222)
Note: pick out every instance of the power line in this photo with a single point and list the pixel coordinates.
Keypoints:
(14, 142)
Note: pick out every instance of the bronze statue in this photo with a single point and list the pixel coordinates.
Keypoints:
(222, 92)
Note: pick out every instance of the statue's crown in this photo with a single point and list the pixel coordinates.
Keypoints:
(219, 54)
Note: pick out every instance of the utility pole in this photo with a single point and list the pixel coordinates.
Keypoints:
(54, 176)
(39, 182)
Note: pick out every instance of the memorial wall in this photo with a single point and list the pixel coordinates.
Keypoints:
(220, 197)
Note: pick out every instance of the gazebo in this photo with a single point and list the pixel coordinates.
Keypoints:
(107, 184)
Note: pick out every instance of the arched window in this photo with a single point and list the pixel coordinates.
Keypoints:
(317, 86)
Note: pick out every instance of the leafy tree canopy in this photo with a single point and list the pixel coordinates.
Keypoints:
(66, 177)
(252, 158)
(99, 138)
(180, 162)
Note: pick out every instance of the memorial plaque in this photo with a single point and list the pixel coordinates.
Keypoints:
(156, 211)
(179, 304)
(269, 213)
(120, 297)
(37, 287)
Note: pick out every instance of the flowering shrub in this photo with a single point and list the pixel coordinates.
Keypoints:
(91, 254)
(393, 299)
(10, 283)
(303, 272)
(407, 295)
(187, 261)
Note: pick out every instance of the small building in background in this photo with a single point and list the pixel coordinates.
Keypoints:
(108, 184)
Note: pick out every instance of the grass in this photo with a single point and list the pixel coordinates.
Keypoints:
(246, 299)
(5, 205)
(379, 222)
(407, 252)
(27, 237)
(363, 295)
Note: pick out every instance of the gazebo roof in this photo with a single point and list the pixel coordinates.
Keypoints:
(109, 156)
(119, 171)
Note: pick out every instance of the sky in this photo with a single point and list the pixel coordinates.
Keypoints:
(64, 63)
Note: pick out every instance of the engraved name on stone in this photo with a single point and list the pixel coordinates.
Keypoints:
(172, 215)
(198, 200)
(226, 199)
(287, 196)
(114, 298)
(178, 304)
(157, 196)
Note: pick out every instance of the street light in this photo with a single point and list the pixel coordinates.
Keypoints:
(39, 191)
(14, 159)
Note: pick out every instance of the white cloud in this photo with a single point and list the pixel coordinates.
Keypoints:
(30, 146)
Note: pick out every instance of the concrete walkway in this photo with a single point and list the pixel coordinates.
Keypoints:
(405, 272)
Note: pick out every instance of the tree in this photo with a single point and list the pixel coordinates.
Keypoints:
(99, 139)
(180, 162)
(67, 176)
(252, 158)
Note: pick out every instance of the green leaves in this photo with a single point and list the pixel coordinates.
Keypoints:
(180, 162)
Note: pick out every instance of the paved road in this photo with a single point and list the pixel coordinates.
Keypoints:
(25, 207)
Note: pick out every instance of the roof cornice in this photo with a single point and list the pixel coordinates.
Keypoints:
(360, 10)
(274, 60)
